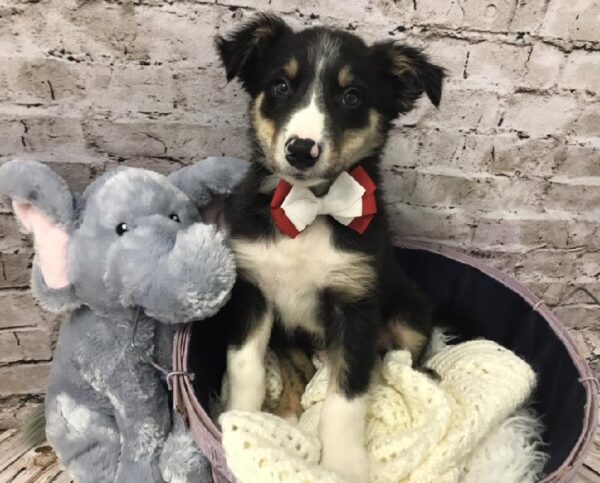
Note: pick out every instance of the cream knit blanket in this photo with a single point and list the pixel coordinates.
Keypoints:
(418, 430)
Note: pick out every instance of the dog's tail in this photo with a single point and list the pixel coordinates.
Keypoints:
(33, 427)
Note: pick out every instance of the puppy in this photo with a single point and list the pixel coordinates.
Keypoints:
(308, 224)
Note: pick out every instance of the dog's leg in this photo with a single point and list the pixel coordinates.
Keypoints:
(409, 316)
(351, 356)
(410, 338)
(252, 320)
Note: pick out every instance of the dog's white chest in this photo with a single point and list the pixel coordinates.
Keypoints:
(291, 272)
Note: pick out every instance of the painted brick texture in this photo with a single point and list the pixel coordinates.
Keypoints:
(508, 168)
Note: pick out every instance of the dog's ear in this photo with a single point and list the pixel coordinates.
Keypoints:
(409, 74)
(243, 51)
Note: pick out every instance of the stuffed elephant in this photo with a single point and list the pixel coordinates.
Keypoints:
(130, 259)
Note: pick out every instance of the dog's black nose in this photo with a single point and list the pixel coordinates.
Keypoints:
(301, 153)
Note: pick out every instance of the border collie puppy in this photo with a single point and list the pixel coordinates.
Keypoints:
(308, 224)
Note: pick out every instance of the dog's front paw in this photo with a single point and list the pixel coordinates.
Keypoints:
(342, 434)
(351, 461)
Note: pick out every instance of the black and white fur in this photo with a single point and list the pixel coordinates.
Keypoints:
(322, 102)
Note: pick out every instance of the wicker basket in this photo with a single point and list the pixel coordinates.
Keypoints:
(483, 302)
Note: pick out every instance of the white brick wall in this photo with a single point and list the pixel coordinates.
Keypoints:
(508, 168)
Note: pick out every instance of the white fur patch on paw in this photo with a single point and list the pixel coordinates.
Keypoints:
(342, 433)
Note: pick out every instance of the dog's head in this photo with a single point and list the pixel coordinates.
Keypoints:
(322, 100)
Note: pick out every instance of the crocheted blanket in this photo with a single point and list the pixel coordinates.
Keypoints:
(418, 430)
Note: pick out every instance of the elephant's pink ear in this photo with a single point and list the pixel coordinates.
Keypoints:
(50, 242)
(214, 213)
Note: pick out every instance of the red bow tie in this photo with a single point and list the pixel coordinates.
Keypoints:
(350, 200)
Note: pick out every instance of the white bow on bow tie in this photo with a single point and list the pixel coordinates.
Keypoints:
(343, 202)
(349, 198)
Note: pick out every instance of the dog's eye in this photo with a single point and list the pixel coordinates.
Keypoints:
(121, 228)
(174, 217)
(351, 97)
(280, 88)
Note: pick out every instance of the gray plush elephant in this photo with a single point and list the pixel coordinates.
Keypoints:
(130, 258)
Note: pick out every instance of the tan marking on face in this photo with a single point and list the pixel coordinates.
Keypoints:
(291, 68)
(264, 128)
(357, 144)
(345, 76)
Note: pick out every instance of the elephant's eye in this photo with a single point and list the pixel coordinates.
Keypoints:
(174, 217)
(121, 228)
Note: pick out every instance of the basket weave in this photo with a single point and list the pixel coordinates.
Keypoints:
(208, 437)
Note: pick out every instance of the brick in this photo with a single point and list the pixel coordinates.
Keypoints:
(581, 316)
(534, 229)
(23, 379)
(582, 71)
(115, 31)
(573, 20)
(533, 264)
(558, 292)
(542, 69)
(158, 34)
(137, 88)
(442, 225)
(19, 310)
(160, 165)
(450, 54)
(528, 16)
(495, 230)
(411, 148)
(206, 93)
(494, 16)
(586, 125)
(539, 116)
(447, 188)
(443, 187)
(165, 139)
(514, 156)
(580, 195)
(483, 113)
(587, 342)
(578, 161)
(495, 66)
(13, 23)
(356, 12)
(15, 266)
(46, 80)
(256, 4)
(59, 134)
(12, 136)
(13, 410)
(25, 345)
(50, 81)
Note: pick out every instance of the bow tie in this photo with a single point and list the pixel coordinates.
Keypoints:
(350, 201)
